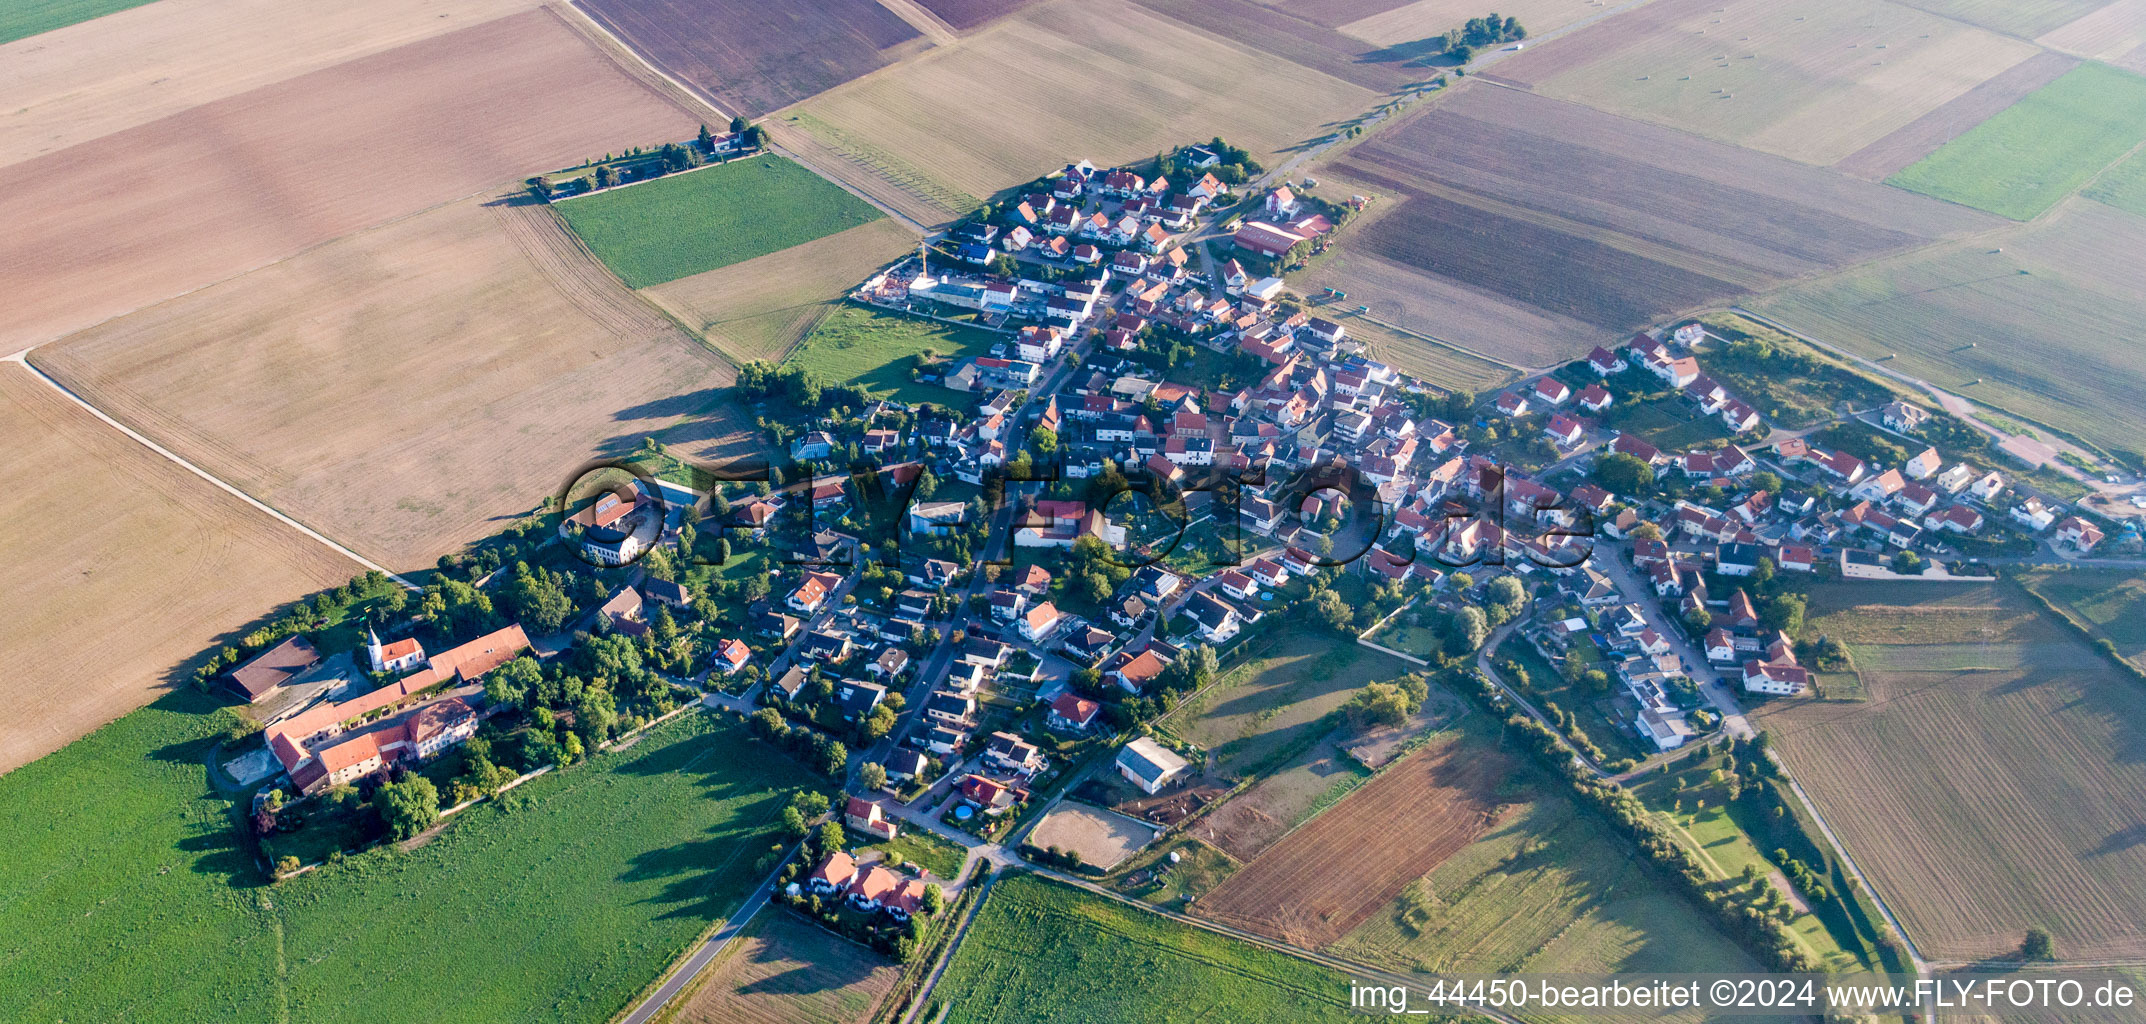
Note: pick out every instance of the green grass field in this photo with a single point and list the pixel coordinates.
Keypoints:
(689, 223)
(873, 348)
(925, 850)
(2037, 151)
(1714, 835)
(1280, 696)
(2123, 186)
(21, 19)
(1040, 950)
(130, 897)
(2111, 604)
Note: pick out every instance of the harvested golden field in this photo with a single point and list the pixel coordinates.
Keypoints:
(1100, 79)
(137, 216)
(2116, 33)
(1426, 18)
(89, 80)
(2024, 18)
(1991, 783)
(762, 307)
(402, 388)
(788, 970)
(1812, 80)
(117, 540)
(2034, 320)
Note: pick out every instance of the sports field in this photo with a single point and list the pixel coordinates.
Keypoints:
(871, 347)
(1042, 950)
(138, 216)
(402, 388)
(144, 547)
(601, 874)
(1547, 887)
(1811, 81)
(761, 307)
(1097, 79)
(1990, 784)
(685, 224)
(788, 970)
(2022, 160)
(2031, 321)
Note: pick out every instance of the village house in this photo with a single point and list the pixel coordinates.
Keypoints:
(868, 817)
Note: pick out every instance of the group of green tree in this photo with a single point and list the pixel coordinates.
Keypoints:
(381, 599)
(1387, 703)
(816, 750)
(1490, 30)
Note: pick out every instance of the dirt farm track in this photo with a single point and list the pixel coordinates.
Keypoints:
(126, 220)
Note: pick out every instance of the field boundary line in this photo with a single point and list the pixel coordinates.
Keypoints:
(22, 359)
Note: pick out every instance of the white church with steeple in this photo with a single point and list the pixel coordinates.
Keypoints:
(403, 655)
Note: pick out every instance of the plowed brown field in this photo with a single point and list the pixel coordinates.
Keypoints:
(757, 56)
(1322, 880)
(121, 566)
(402, 388)
(1590, 219)
(134, 217)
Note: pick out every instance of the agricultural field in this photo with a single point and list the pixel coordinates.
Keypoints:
(1918, 138)
(1301, 32)
(2122, 186)
(2024, 18)
(1100, 79)
(620, 862)
(2029, 321)
(402, 388)
(1252, 820)
(1810, 81)
(1399, 24)
(969, 14)
(2110, 604)
(872, 347)
(685, 224)
(27, 18)
(1415, 814)
(143, 543)
(1546, 888)
(1594, 223)
(151, 61)
(1279, 696)
(753, 58)
(2115, 33)
(1432, 363)
(1990, 784)
(785, 969)
(137, 216)
(2024, 159)
(761, 308)
(1043, 950)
